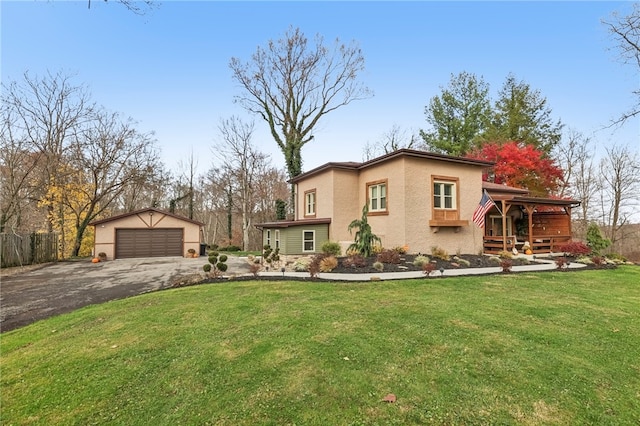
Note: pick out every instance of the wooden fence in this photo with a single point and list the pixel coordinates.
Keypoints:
(28, 248)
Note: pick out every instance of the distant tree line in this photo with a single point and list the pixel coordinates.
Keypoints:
(66, 161)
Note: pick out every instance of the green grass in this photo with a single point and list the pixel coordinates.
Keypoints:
(540, 348)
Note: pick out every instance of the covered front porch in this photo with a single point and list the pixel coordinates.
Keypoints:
(520, 222)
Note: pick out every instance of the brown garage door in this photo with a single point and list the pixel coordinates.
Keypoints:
(148, 242)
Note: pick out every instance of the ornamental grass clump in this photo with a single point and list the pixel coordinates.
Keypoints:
(440, 253)
(328, 264)
(420, 260)
(505, 254)
(301, 265)
(462, 261)
(378, 266)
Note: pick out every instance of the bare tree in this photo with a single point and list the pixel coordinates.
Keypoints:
(49, 112)
(292, 85)
(270, 187)
(620, 174)
(580, 178)
(18, 163)
(184, 187)
(139, 7)
(625, 31)
(107, 156)
(213, 205)
(243, 163)
(151, 192)
(392, 140)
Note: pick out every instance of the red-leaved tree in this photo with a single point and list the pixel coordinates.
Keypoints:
(521, 166)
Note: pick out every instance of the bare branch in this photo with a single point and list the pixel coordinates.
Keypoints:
(292, 84)
(625, 31)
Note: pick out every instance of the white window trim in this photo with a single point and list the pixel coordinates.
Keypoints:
(310, 201)
(304, 250)
(269, 237)
(378, 185)
(276, 237)
(454, 195)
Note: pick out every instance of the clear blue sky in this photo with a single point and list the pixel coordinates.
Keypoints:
(169, 69)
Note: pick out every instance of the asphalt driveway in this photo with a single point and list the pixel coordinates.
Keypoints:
(65, 286)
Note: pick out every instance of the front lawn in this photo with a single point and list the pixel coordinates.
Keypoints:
(538, 348)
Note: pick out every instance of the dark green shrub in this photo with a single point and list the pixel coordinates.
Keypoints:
(281, 209)
(331, 247)
(271, 256)
(595, 240)
(216, 263)
(229, 248)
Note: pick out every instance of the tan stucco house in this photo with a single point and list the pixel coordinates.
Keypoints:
(415, 198)
(146, 233)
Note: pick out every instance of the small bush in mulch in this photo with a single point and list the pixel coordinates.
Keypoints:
(407, 262)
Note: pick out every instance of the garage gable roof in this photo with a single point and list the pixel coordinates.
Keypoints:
(147, 210)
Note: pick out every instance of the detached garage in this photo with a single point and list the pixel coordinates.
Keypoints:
(146, 233)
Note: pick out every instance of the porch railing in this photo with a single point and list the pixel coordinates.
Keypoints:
(541, 244)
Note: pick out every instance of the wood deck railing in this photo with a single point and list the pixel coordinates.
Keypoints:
(539, 244)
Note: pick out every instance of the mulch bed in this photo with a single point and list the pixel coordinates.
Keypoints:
(406, 264)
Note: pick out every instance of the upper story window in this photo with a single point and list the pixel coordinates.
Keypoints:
(377, 196)
(445, 210)
(444, 195)
(310, 203)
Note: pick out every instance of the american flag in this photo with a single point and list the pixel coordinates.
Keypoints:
(483, 207)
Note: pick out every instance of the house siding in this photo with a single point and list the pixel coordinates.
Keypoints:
(291, 237)
(419, 207)
(341, 194)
